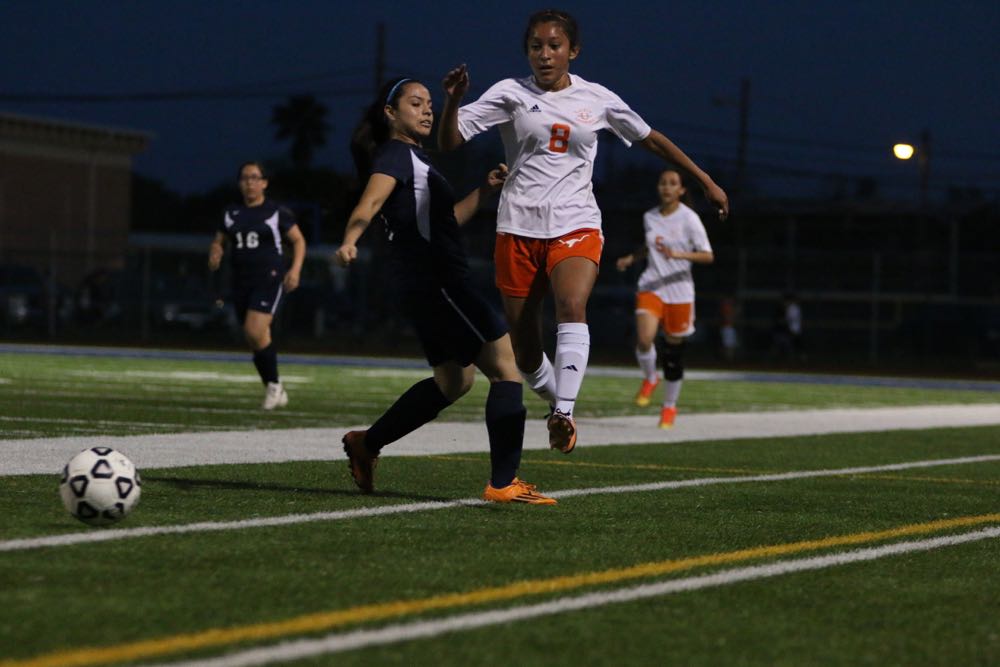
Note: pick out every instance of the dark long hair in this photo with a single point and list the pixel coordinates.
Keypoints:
(563, 19)
(373, 129)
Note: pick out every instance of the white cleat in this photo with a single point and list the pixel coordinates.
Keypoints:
(275, 397)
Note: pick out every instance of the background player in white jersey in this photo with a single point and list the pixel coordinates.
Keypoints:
(548, 223)
(259, 278)
(674, 240)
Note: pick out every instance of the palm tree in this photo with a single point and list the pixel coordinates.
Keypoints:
(303, 120)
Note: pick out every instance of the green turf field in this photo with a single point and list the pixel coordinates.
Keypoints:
(405, 576)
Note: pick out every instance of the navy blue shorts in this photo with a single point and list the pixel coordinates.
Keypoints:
(262, 296)
(452, 323)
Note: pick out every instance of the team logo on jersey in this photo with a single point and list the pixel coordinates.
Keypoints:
(569, 243)
(534, 109)
(585, 116)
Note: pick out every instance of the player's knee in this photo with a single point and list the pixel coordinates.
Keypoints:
(454, 387)
(673, 361)
(571, 307)
(257, 339)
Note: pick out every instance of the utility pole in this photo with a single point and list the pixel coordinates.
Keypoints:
(924, 163)
(741, 155)
(379, 56)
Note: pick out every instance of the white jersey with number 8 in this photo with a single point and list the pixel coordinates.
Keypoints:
(550, 140)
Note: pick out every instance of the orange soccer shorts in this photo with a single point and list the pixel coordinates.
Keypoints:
(676, 319)
(522, 261)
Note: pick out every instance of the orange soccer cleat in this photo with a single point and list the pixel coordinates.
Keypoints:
(667, 416)
(644, 397)
(516, 492)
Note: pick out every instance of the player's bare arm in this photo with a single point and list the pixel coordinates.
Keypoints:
(456, 84)
(660, 145)
(298, 241)
(695, 257)
(216, 250)
(465, 209)
(628, 260)
(379, 187)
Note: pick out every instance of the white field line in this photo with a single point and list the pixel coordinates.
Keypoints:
(385, 510)
(227, 397)
(141, 391)
(20, 456)
(191, 376)
(401, 632)
(90, 422)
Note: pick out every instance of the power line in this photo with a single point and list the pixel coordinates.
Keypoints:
(246, 90)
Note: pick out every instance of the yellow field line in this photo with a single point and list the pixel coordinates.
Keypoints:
(619, 466)
(331, 619)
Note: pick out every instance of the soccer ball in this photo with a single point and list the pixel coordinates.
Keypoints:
(100, 486)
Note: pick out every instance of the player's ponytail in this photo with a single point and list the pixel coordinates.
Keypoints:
(373, 129)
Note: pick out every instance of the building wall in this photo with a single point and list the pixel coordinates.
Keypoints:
(65, 196)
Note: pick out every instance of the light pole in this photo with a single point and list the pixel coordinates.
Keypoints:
(923, 154)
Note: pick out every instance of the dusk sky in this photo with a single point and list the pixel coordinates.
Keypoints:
(833, 84)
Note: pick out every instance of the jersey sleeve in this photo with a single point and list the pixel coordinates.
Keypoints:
(225, 221)
(492, 108)
(393, 159)
(286, 219)
(698, 235)
(625, 123)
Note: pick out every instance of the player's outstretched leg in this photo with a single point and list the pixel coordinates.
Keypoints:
(418, 405)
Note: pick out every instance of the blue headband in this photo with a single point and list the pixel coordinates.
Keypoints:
(392, 91)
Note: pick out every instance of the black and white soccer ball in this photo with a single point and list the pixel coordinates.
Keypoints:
(99, 486)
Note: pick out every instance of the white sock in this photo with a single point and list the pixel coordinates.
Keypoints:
(647, 362)
(572, 352)
(543, 381)
(672, 393)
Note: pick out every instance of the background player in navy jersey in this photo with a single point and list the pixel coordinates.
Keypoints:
(254, 231)
(455, 325)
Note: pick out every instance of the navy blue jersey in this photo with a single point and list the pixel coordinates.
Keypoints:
(419, 215)
(254, 234)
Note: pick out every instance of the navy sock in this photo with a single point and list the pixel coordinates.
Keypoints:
(266, 361)
(418, 405)
(505, 424)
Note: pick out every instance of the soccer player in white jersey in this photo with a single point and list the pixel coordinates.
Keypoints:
(674, 240)
(548, 223)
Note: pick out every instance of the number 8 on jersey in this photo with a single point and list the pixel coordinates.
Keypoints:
(559, 139)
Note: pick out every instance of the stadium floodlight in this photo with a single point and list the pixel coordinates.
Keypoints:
(903, 151)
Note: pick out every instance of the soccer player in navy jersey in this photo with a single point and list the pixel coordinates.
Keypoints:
(254, 231)
(456, 327)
